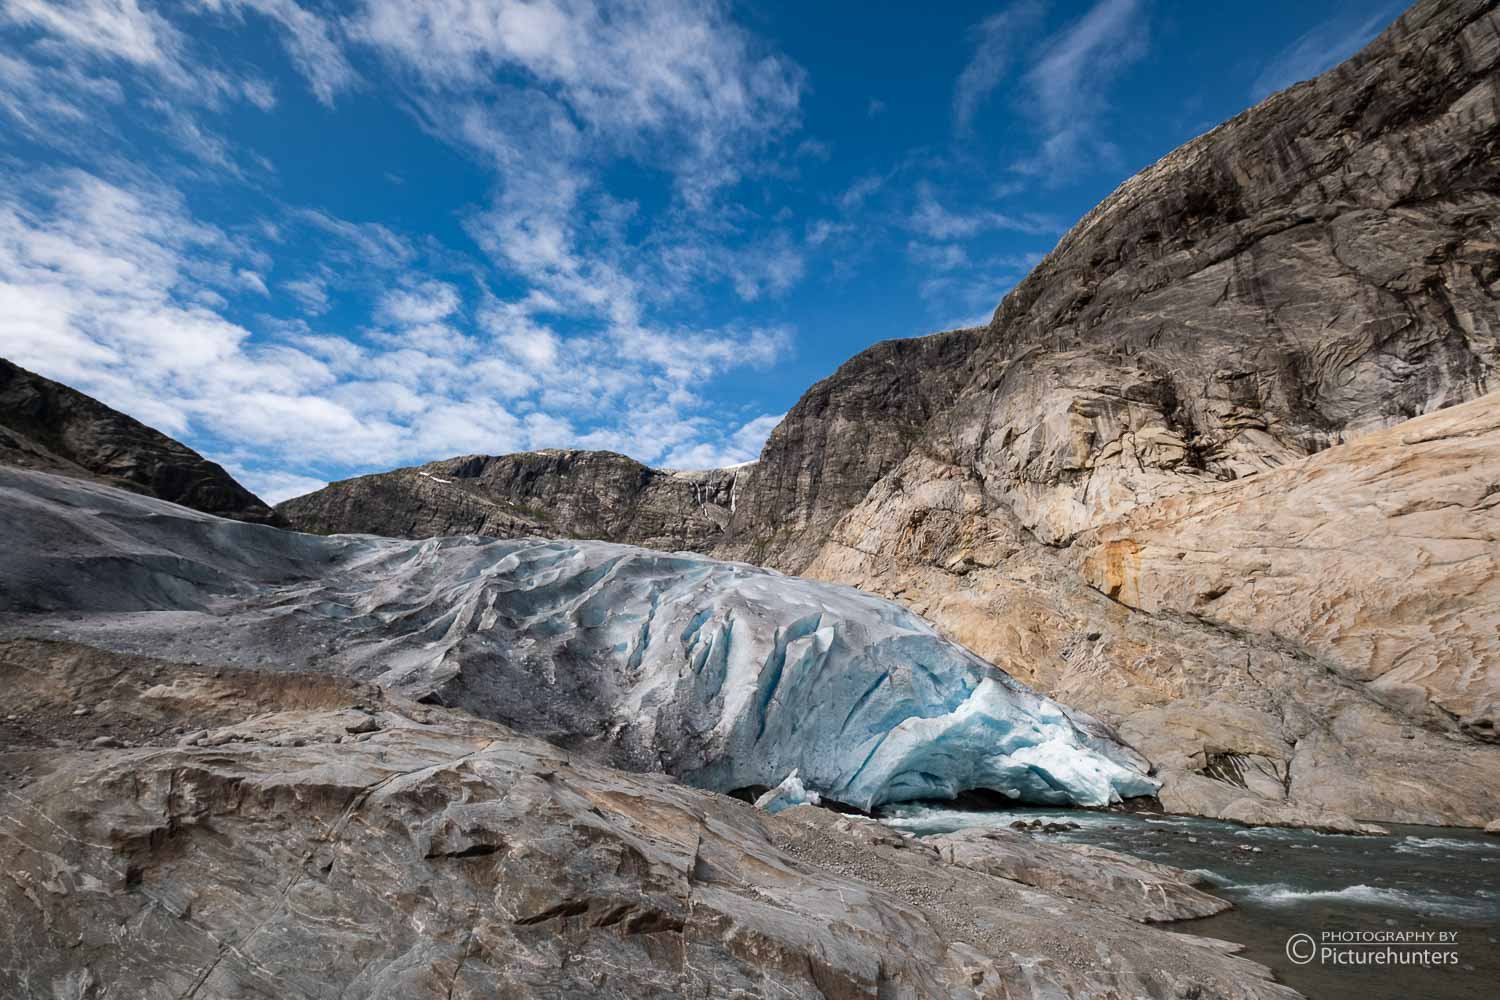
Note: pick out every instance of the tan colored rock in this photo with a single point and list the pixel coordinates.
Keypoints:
(1380, 555)
(1224, 713)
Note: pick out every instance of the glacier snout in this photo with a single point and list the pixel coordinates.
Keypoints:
(724, 674)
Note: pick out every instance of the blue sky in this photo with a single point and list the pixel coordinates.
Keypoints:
(314, 240)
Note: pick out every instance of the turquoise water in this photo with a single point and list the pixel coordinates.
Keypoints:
(1300, 882)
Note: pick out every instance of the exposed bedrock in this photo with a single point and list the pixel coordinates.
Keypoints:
(207, 831)
(1305, 645)
(568, 494)
(722, 673)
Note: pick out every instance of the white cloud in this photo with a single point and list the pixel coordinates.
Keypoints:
(102, 287)
(363, 244)
(312, 43)
(626, 70)
(1064, 80)
(1070, 80)
(931, 219)
(744, 445)
(274, 487)
(425, 302)
(938, 257)
(860, 191)
(1322, 48)
(117, 29)
(997, 39)
(311, 293)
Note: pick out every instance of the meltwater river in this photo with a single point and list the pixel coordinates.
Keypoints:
(1417, 879)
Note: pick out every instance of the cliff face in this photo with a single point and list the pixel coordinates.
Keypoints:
(1135, 490)
(1322, 266)
(570, 494)
(47, 426)
(838, 440)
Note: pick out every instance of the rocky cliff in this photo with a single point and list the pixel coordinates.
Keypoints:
(838, 440)
(568, 494)
(46, 425)
(1134, 492)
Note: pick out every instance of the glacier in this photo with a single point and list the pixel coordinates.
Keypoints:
(726, 675)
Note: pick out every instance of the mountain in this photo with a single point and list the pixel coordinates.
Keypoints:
(568, 494)
(1308, 275)
(1241, 331)
(46, 425)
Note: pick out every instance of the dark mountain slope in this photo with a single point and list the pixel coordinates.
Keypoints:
(46, 425)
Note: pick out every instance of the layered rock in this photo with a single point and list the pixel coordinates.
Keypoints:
(568, 494)
(837, 441)
(46, 425)
(322, 838)
(722, 673)
(1319, 269)
(1381, 555)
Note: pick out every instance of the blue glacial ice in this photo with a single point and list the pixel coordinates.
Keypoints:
(791, 792)
(725, 674)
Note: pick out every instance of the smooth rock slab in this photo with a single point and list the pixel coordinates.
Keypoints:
(449, 857)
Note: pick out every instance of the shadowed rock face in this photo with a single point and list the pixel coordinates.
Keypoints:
(570, 494)
(841, 437)
(46, 425)
(258, 835)
(1321, 266)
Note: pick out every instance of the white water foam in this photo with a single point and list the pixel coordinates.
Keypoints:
(1482, 904)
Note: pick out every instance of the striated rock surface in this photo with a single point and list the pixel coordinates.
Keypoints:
(46, 425)
(567, 494)
(1314, 272)
(264, 836)
(1319, 267)
(725, 674)
(1381, 555)
(837, 441)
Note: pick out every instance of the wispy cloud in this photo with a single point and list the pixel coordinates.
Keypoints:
(117, 29)
(1324, 47)
(1071, 80)
(744, 445)
(998, 38)
(1060, 82)
(931, 219)
(312, 42)
(119, 291)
